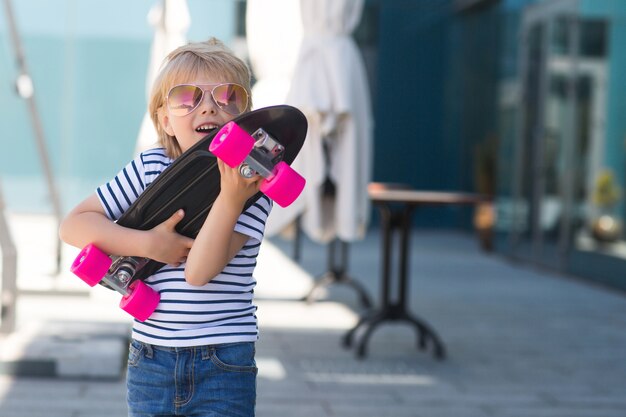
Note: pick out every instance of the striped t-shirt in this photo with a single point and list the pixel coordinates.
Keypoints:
(218, 312)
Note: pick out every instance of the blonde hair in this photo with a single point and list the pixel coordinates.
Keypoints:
(186, 63)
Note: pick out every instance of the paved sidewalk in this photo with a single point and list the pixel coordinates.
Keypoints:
(521, 342)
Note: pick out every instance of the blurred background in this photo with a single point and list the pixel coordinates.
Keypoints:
(522, 100)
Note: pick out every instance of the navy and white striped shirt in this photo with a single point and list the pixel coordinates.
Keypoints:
(221, 311)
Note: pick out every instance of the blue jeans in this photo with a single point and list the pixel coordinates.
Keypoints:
(202, 381)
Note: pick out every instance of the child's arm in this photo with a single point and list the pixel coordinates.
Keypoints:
(87, 223)
(217, 243)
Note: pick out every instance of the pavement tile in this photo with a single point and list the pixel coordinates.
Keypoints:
(521, 342)
(292, 410)
(557, 412)
(66, 349)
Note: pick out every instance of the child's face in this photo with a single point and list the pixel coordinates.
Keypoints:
(190, 128)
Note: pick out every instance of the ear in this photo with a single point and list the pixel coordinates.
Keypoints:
(164, 120)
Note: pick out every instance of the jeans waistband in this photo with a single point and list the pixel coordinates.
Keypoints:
(206, 350)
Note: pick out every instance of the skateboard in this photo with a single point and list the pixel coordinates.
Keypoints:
(262, 142)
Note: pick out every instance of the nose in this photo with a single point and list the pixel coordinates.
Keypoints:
(208, 105)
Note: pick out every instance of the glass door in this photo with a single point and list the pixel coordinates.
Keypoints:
(547, 135)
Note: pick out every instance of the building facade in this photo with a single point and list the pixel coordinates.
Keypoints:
(562, 155)
(559, 117)
(524, 100)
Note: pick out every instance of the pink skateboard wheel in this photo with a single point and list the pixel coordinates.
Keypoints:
(285, 186)
(231, 144)
(91, 265)
(141, 301)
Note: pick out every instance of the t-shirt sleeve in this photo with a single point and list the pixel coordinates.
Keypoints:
(252, 221)
(117, 195)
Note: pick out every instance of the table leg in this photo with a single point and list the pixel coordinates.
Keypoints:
(362, 331)
(393, 223)
(337, 273)
(423, 331)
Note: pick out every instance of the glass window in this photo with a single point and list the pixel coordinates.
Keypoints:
(593, 34)
(561, 41)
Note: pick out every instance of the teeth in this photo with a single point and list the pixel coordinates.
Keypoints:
(206, 128)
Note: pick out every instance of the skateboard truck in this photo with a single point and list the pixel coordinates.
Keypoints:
(267, 152)
(94, 266)
(121, 272)
(260, 154)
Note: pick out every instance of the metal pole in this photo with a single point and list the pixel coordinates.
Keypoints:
(26, 90)
(8, 299)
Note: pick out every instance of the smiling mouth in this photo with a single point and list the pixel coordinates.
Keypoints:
(206, 129)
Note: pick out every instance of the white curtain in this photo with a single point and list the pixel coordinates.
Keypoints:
(329, 85)
(170, 20)
(273, 32)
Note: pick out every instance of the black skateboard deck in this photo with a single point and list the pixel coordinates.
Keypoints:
(192, 181)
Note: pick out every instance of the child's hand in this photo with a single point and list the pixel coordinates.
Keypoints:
(236, 188)
(166, 244)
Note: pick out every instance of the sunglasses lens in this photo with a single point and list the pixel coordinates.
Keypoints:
(232, 98)
(183, 99)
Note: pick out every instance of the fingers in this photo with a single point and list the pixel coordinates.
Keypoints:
(174, 219)
(183, 252)
(180, 262)
(233, 174)
(235, 186)
(228, 172)
(257, 183)
(187, 242)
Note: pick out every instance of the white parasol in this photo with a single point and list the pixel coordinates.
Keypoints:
(330, 86)
(274, 32)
